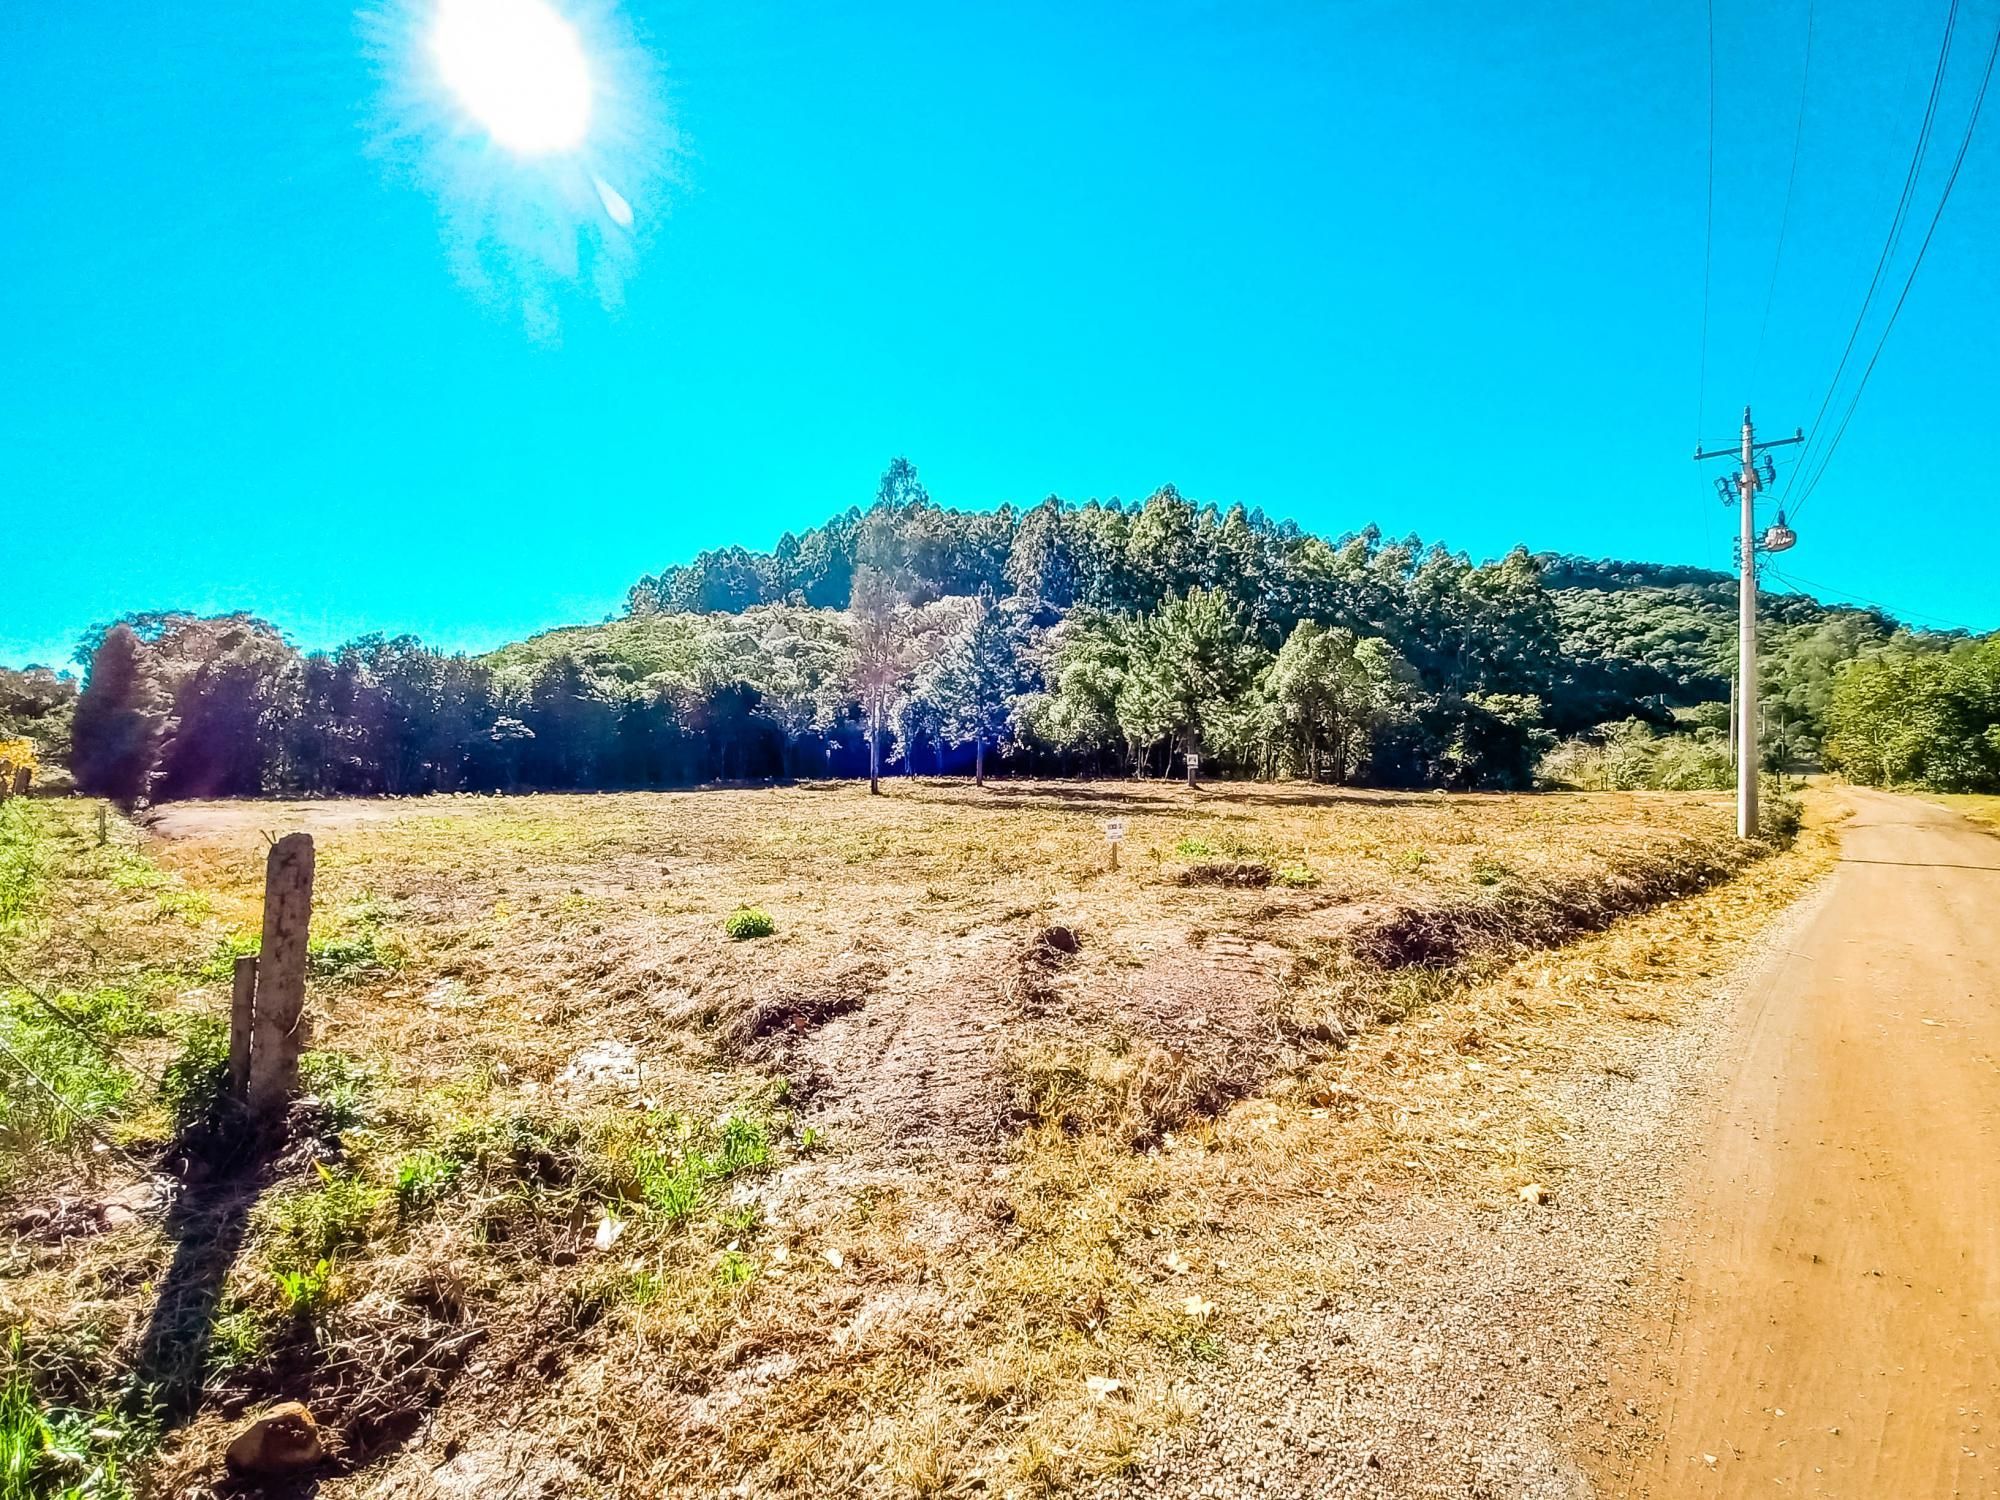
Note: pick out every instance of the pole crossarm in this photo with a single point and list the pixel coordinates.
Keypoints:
(1798, 436)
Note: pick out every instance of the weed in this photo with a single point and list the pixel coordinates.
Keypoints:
(309, 1227)
(52, 1455)
(1297, 876)
(343, 1087)
(422, 1179)
(308, 1292)
(733, 1268)
(530, 1149)
(236, 1340)
(645, 1288)
(196, 1081)
(675, 1174)
(748, 922)
(1194, 848)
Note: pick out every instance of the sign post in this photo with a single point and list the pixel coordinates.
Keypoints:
(1114, 835)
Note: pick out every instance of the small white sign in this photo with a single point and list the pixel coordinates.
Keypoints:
(1193, 760)
(1114, 830)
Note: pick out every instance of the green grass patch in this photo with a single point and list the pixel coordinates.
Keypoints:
(55, 1455)
(311, 1226)
(24, 858)
(60, 1081)
(682, 1162)
(345, 1088)
(748, 922)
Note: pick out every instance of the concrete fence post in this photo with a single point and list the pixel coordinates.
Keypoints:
(242, 1013)
(279, 1030)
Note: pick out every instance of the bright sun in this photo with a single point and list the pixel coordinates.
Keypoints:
(518, 68)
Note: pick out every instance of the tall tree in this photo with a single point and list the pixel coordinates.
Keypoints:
(117, 726)
(880, 661)
(1191, 667)
(976, 679)
(1331, 690)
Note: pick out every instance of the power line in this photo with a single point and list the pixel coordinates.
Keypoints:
(1971, 124)
(1791, 180)
(1708, 238)
(1818, 589)
(1896, 220)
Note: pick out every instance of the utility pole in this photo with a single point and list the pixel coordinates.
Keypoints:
(1749, 479)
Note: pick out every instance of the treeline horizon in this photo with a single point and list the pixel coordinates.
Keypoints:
(1064, 639)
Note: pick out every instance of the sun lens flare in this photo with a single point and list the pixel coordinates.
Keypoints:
(540, 129)
(518, 68)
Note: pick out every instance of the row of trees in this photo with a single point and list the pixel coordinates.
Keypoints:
(179, 706)
(1095, 637)
(1924, 717)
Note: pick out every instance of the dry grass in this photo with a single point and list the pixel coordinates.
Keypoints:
(1984, 810)
(996, 1086)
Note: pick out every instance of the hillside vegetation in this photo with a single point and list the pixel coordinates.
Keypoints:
(1097, 638)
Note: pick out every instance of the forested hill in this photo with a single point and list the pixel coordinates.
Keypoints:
(1096, 638)
(1594, 641)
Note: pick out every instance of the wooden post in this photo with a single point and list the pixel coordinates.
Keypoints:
(6, 779)
(22, 776)
(242, 1008)
(103, 824)
(279, 1031)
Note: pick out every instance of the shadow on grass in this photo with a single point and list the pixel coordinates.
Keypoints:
(1154, 797)
(207, 1223)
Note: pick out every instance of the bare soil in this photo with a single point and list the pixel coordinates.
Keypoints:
(1825, 1311)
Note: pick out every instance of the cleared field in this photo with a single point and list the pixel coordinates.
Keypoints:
(595, 1199)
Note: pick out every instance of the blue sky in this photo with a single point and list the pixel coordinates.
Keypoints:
(1434, 267)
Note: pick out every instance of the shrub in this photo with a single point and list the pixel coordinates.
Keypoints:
(195, 1082)
(748, 922)
(1779, 816)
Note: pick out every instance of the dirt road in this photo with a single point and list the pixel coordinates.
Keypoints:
(1835, 1329)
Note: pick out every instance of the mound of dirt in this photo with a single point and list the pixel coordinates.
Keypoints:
(780, 1016)
(1238, 873)
(1538, 915)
